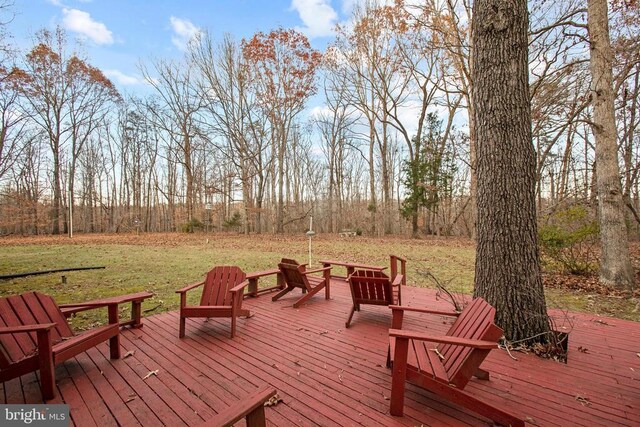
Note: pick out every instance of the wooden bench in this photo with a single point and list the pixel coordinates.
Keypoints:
(256, 275)
(136, 307)
(350, 266)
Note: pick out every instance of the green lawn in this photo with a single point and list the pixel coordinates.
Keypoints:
(163, 263)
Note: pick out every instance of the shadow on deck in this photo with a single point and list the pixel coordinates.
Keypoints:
(329, 375)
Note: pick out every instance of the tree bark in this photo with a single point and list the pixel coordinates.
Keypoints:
(507, 258)
(615, 266)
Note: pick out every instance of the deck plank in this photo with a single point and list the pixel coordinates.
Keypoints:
(331, 376)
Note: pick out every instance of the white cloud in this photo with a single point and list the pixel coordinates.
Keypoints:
(122, 78)
(318, 17)
(184, 31)
(348, 5)
(81, 22)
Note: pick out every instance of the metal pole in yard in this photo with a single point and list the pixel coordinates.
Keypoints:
(310, 234)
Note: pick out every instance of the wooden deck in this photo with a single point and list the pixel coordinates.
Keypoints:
(329, 375)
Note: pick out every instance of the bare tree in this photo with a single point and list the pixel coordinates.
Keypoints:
(177, 114)
(615, 266)
(283, 66)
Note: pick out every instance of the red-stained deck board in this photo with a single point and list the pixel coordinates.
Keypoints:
(328, 375)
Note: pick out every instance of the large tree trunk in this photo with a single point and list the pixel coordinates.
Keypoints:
(615, 267)
(507, 258)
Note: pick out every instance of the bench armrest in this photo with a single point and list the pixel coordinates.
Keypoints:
(189, 287)
(317, 270)
(26, 328)
(243, 408)
(258, 274)
(120, 299)
(423, 310)
(88, 305)
(443, 339)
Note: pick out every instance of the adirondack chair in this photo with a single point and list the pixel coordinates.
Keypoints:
(251, 408)
(372, 287)
(446, 369)
(295, 276)
(221, 297)
(35, 335)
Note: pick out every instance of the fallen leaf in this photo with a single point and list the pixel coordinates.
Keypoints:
(324, 332)
(583, 349)
(584, 401)
(129, 353)
(274, 400)
(385, 397)
(131, 397)
(195, 394)
(154, 373)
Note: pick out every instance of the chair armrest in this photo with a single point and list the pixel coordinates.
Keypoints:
(424, 310)
(189, 287)
(317, 270)
(239, 287)
(397, 282)
(241, 409)
(443, 339)
(26, 328)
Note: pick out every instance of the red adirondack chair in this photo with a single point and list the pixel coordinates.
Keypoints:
(446, 369)
(295, 276)
(250, 408)
(221, 297)
(374, 288)
(35, 335)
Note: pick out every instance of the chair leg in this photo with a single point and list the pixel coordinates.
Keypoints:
(348, 323)
(233, 326)
(307, 296)
(256, 418)
(279, 295)
(114, 346)
(399, 376)
(47, 368)
(467, 401)
(182, 322)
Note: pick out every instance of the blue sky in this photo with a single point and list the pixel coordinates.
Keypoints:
(118, 34)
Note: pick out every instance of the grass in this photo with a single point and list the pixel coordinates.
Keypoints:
(162, 263)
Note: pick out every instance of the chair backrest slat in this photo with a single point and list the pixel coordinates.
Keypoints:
(15, 346)
(475, 322)
(31, 308)
(292, 273)
(373, 287)
(218, 284)
(45, 310)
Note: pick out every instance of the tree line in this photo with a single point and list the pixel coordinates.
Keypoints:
(225, 139)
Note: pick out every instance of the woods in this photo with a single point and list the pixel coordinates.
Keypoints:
(375, 134)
